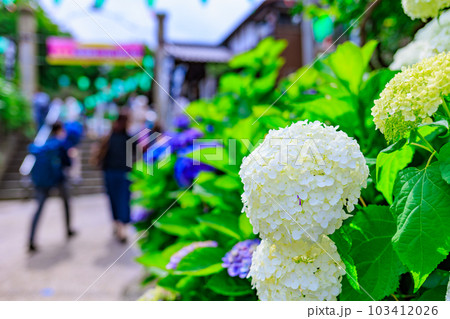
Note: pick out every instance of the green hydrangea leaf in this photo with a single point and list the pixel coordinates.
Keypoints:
(223, 222)
(422, 206)
(343, 243)
(435, 294)
(371, 231)
(201, 262)
(444, 162)
(223, 284)
(388, 166)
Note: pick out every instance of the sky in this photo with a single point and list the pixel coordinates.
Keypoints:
(131, 21)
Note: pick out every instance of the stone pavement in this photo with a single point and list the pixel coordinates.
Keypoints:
(63, 270)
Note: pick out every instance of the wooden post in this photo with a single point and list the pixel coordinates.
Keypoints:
(161, 90)
(27, 51)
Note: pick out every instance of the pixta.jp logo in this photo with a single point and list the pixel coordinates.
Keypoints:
(145, 148)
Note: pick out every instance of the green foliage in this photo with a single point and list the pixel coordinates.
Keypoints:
(444, 163)
(423, 217)
(374, 256)
(383, 21)
(223, 284)
(388, 166)
(201, 262)
(15, 111)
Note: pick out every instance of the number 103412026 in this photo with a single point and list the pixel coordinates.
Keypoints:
(403, 310)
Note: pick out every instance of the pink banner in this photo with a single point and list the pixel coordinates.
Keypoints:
(66, 51)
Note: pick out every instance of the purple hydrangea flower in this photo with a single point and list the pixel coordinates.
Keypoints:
(181, 121)
(239, 259)
(139, 214)
(176, 258)
(183, 139)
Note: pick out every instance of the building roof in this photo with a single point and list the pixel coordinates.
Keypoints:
(199, 53)
(259, 14)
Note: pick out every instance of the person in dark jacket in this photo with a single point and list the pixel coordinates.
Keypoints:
(114, 165)
(48, 173)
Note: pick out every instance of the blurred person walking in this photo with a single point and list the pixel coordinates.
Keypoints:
(41, 105)
(111, 156)
(48, 173)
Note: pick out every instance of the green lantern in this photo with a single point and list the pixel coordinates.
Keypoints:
(100, 83)
(145, 82)
(98, 4)
(83, 83)
(322, 28)
(130, 84)
(148, 62)
(90, 102)
(63, 81)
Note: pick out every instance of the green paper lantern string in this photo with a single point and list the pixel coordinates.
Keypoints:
(83, 83)
(63, 81)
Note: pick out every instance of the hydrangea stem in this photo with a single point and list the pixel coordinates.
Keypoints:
(445, 107)
(424, 140)
(421, 146)
(431, 157)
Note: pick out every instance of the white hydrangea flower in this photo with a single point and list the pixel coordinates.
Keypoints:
(308, 162)
(423, 9)
(432, 39)
(303, 270)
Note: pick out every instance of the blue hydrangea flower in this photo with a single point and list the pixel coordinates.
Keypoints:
(176, 258)
(239, 259)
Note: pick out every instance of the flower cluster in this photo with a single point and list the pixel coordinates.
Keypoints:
(317, 164)
(423, 9)
(302, 270)
(432, 39)
(294, 195)
(412, 96)
(239, 259)
(176, 258)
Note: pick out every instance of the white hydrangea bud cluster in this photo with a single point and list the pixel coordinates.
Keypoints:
(298, 271)
(432, 39)
(412, 97)
(296, 185)
(299, 189)
(424, 9)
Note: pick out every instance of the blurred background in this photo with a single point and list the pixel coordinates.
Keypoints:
(83, 61)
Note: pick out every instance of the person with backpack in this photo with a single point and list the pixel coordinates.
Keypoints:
(47, 174)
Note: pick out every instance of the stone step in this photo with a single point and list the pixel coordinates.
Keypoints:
(27, 193)
(16, 193)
